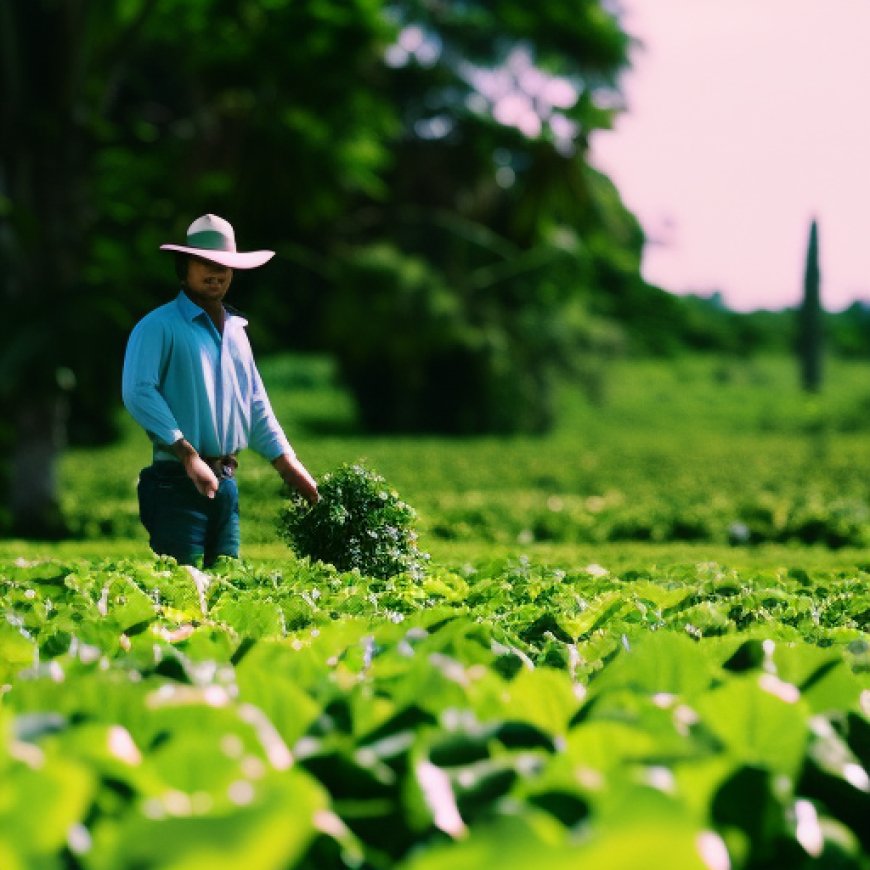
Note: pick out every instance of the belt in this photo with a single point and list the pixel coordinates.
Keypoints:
(222, 466)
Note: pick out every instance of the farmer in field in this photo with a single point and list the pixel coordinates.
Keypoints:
(191, 382)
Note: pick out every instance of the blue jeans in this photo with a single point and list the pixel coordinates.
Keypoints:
(180, 522)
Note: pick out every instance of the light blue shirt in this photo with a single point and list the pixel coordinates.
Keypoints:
(184, 379)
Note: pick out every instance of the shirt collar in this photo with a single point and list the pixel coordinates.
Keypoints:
(191, 310)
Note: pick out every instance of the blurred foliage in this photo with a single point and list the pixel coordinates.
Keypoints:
(286, 119)
(131, 119)
(469, 286)
(302, 125)
(478, 355)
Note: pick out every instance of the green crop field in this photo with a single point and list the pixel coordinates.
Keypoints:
(640, 641)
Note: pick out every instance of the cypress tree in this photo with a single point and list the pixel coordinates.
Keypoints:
(810, 325)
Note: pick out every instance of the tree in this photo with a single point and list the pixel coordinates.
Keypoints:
(45, 155)
(810, 318)
(121, 121)
(503, 237)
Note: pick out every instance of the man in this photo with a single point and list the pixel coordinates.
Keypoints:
(191, 382)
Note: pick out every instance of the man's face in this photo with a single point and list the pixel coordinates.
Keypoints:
(207, 281)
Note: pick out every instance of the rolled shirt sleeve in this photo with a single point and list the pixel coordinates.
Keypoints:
(140, 384)
(267, 436)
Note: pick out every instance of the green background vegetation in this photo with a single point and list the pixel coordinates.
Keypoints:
(700, 450)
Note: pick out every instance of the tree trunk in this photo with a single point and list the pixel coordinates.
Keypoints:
(43, 173)
(38, 442)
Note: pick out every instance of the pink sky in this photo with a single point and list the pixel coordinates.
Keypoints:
(746, 118)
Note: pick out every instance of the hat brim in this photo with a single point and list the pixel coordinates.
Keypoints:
(230, 259)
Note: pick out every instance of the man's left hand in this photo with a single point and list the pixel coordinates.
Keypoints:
(296, 475)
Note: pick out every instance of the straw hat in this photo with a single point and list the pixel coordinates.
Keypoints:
(212, 238)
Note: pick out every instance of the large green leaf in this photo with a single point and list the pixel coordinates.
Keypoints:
(519, 843)
(680, 843)
(603, 746)
(659, 663)
(542, 697)
(289, 708)
(824, 678)
(17, 649)
(250, 616)
(126, 604)
(41, 798)
(760, 720)
(264, 825)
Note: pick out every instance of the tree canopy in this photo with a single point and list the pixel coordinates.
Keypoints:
(421, 162)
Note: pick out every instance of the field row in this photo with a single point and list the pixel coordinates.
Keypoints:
(698, 449)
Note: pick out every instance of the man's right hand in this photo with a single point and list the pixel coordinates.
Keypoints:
(197, 469)
(202, 476)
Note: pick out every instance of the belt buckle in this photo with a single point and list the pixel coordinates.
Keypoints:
(227, 465)
(224, 467)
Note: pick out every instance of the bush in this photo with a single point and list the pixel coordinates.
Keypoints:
(423, 350)
(359, 522)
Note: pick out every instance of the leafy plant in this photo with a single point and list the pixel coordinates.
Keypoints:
(359, 523)
(295, 717)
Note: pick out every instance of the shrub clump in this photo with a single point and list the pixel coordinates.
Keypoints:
(359, 522)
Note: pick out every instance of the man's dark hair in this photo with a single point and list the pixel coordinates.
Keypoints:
(181, 265)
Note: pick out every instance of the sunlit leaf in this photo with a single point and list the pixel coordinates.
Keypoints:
(760, 721)
(263, 825)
